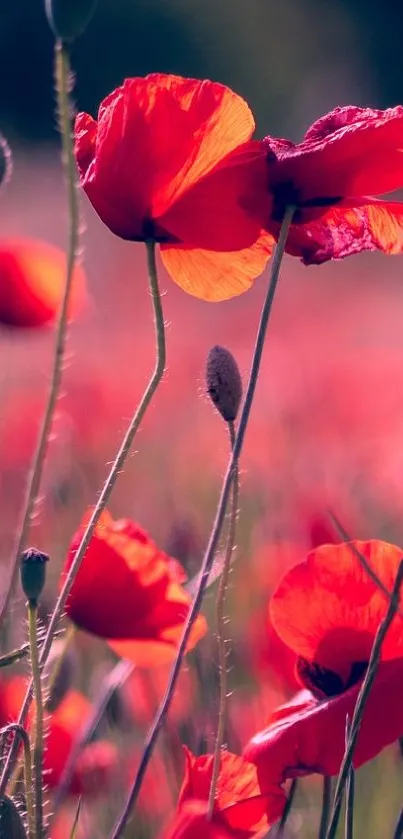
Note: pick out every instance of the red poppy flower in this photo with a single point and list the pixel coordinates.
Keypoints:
(243, 805)
(327, 610)
(191, 822)
(309, 736)
(32, 276)
(129, 592)
(169, 159)
(346, 157)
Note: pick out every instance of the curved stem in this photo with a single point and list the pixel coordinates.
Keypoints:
(20, 731)
(216, 531)
(38, 734)
(62, 76)
(103, 499)
(220, 616)
(362, 698)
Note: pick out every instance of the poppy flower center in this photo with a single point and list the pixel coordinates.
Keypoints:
(286, 194)
(323, 682)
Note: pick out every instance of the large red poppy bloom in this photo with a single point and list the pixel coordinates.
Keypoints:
(129, 592)
(169, 160)
(327, 610)
(346, 157)
(241, 803)
(32, 276)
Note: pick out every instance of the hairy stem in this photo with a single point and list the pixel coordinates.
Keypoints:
(361, 703)
(220, 617)
(216, 531)
(103, 499)
(38, 740)
(62, 75)
(19, 731)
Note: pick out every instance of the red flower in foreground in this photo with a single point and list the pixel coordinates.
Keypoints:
(191, 822)
(242, 804)
(129, 592)
(32, 276)
(327, 610)
(169, 160)
(346, 157)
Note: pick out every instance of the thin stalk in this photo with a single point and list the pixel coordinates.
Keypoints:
(287, 809)
(62, 76)
(20, 731)
(350, 794)
(220, 618)
(38, 744)
(103, 499)
(326, 805)
(216, 531)
(361, 703)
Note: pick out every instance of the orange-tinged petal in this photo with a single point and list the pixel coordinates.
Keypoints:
(191, 822)
(32, 278)
(151, 653)
(312, 739)
(327, 609)
(215, 276)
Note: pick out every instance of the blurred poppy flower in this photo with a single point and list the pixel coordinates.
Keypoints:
(191, 822)
(129, 592)
(169, 160)
(327, 610)
(32, 277)
(243, 805)
(346, 157)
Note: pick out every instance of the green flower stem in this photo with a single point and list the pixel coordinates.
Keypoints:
(62, 76)
(103, 499)
(216, 531)
(361, 703)
(20, 731)
(326, 805)
(287, 809)
(220, 617)
(38, 744)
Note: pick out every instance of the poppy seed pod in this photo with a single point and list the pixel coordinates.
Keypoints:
(11, 824)
(69, 18)
(224, 383)
(33, 573)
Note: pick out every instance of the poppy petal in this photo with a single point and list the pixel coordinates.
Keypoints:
(356, 158)
(312, 740)
(191, 822)
(327, 609)
(155, 138)
(152, 653)
(346, 230)
(215, 276)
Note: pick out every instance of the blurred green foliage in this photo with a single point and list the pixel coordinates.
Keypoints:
(291, 59)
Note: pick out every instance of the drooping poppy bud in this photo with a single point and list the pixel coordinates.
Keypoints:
(224, 383)
(69, 18)
(33, 573)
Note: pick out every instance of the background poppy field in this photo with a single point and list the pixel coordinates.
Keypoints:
(326, 432)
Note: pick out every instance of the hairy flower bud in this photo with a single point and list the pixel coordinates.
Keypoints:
(11, 824)
(224, 383)
(33, 573)
(69, 18)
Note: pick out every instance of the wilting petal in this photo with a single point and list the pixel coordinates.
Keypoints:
(327, 609)
(215, 276)
(350, 152)
(312, 740)
(244, 805)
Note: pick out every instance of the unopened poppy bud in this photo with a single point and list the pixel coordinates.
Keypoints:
(11, 824)
(224, 383)
(64, 663)
(33, 573)
(69, 18)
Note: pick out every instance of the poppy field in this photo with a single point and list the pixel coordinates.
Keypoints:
(201, 438)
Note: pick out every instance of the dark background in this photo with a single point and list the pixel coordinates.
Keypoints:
(292, 59)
